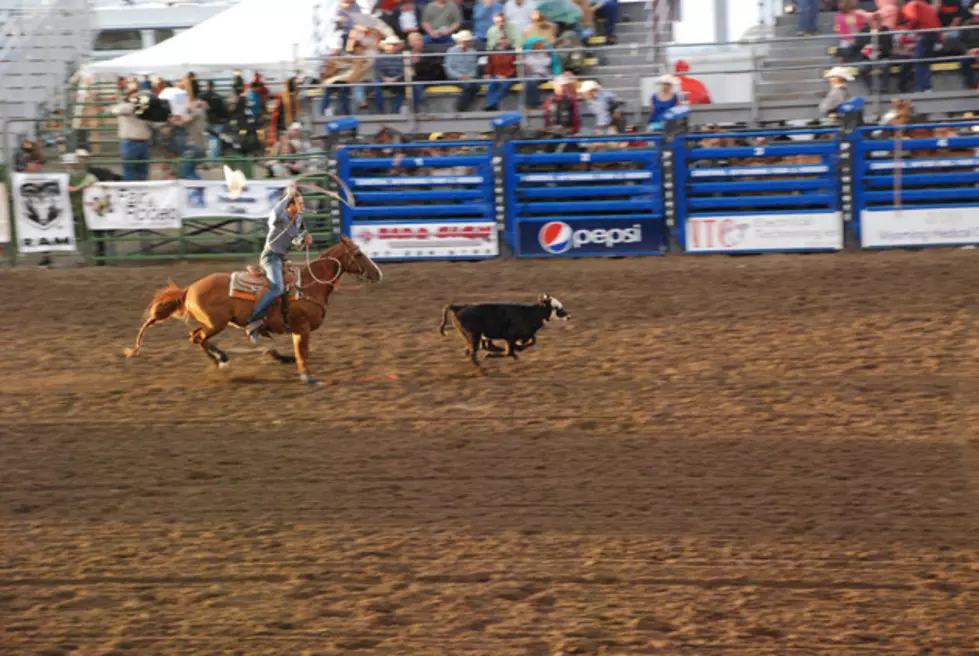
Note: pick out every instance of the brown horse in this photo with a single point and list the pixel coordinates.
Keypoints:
(208, 301)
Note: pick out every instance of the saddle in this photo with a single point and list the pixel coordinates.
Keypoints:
(251, 283)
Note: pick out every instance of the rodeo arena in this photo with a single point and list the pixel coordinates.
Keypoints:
(503, 327)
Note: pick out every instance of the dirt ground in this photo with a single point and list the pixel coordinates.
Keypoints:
(768, 455)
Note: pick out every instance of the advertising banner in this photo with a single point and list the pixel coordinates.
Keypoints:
(42, 213)
(765, 232)
(590, 237)
(133, 205)
(414, 241)
(945, 226)
(207, 198)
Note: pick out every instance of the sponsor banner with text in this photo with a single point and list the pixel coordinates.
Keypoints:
(153, 205)
(590, 237)
(946, 226)
(4, 215)
(207, 198)
(42, 212)
(764, 232)
(415, 241)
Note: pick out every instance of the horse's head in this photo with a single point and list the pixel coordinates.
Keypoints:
(355, 262)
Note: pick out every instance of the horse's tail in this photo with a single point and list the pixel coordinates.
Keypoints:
(171, 301)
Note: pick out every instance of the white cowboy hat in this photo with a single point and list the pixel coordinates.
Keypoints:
(840, 71)
(69, 158)
(672, 80)
(235, 180)
(81, 152)
(392, 40)
(462, 35)
(588, 86)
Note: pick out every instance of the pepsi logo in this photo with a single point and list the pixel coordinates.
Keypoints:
(555, 237)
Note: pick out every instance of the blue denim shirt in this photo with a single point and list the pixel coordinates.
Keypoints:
(282, 229)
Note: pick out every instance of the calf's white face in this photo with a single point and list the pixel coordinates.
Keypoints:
(557, 310)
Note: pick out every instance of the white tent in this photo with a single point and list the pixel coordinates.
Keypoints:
(270, 36)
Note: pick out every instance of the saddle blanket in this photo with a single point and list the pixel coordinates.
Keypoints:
(251, 284)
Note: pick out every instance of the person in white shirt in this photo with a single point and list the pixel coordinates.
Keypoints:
(519, 12)
(180, 116)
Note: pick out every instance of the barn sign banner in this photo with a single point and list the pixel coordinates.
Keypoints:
(4, 215)
(42, 213)
(765, 232)
(945, 226)
(209, 198)
(133, 205)
(428, 240)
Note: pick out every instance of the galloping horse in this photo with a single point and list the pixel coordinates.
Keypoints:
(214, 303)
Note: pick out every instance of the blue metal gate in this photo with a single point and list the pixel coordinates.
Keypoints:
(431, 201)
(599, 196)
(758, 191)
(915, 187)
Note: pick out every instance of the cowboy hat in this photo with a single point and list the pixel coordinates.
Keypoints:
(975, 8)
(588, 86)
(462, 35)
(840, 71)
(392, 40)
(235, 180)
(69, 158)
(668, 79)
(81, 152)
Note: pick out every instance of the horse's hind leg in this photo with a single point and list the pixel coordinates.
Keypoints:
(201, 336)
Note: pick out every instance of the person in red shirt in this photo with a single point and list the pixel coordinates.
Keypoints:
(920, 15)
(693, 89)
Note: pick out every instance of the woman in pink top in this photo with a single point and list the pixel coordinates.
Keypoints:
(849, 22)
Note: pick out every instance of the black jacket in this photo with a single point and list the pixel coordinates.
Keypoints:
(885, 42)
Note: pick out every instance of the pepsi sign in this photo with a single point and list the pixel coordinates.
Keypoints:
(590, 237)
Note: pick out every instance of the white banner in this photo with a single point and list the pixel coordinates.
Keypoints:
(412, 241)
(153, 205)
(946, 226)
(4, 215)
(764, 232)
(42, 212)
(204, 198)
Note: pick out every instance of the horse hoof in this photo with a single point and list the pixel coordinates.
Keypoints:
(130, 352)
(224, 364)
(307, 379)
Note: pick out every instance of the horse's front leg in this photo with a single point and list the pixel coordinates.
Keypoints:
(300, 343)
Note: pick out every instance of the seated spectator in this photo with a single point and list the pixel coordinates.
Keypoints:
(568, 48)
(404, 19)
(462, 66)
(500, 27)
(666, 97)
(289, 143)
(608, 10)
(839, 93)
(849, 22)
(694, 90)
(501, 67)
(440, 20)
(964, 42)
(344, 71)
(390, 69)
(195, 125)
(425, 68)
(518, 12)
(483, 15)
(539, 63)
(541, 28)
(565, 14)
(607, 108)
(562, 111)
(875, 43)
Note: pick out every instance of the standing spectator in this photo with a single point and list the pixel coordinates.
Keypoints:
(424, 68)
(694, 90)
(289, 143)
(808, 17)
(196, 130)
(606, 107)
(390, 74)
(849, 22)
(539, 63)
(839, 93)
(541, 28)
(875, 44)
(919, 15)
(286, 109)
(609, 11)
(440, 20)
(134, 139)
(78, 180)
(462, 65)
(217, 119)
(562, 110)
(500, 27)
(180, 109)
(519, 12)
(237, 84)
(405, 19)
(666, 97)
(483, 15)
(88, 175)
(501, 67)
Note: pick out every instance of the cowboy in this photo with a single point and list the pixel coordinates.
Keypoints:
(285, 228)
(838, 94)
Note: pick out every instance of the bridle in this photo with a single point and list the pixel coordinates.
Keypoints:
(349, 258)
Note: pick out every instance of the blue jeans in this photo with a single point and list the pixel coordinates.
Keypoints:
(610, 12)
(532, 91)
(188, 166)
(271, 264)
(341, 90)
(498, 89)
(442, 39)
(397, 91)
(135, 154)
(213, 141)
(809, 16)
(924, 49)
(178, 140)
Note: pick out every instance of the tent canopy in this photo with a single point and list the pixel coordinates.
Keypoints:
(274, 37)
